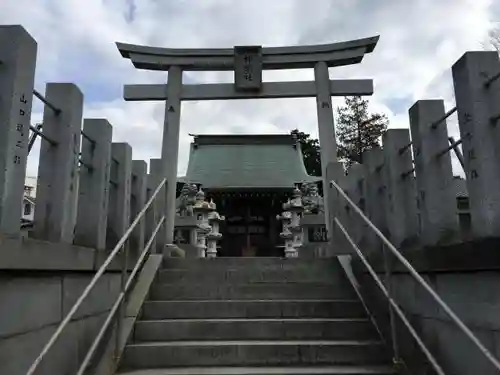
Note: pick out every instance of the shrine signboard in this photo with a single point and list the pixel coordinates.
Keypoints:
(248, 68)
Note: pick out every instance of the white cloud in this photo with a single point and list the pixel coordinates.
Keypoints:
(419, 42)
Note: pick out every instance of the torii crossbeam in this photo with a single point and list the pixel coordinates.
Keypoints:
(247, 62)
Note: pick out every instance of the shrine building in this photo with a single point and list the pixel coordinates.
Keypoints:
(249, 177)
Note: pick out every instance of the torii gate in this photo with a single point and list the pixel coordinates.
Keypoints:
(247, 62)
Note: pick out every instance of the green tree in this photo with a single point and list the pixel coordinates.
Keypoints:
(494, 38)
(310, 152)
(357, 129)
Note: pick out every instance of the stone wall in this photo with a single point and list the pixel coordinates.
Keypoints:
(34, 304)
(36, 293)
(470, 288)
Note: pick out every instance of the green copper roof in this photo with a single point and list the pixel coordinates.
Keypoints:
(246, 161)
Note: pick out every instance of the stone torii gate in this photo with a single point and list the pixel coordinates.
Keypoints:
(247, 63)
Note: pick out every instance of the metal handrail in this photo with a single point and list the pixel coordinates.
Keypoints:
(396, 307)
(421, 281)
(93, 282)
(118, 301)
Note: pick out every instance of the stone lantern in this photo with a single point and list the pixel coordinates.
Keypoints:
(292, 229)
(201, 211)
(214, 235)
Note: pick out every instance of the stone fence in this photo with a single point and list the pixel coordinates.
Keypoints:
(407, 187)
(89, 188)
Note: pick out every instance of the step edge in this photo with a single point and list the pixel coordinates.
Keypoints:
(262, 370)
(256, 320)
(212, 343)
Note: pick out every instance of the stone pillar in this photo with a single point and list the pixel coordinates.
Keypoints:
(152, 212)
(401, 193)
(17, 74)
(170, 147)
(336, 203)
(373, 160)
(119, 194)
(94, 184)
(137, 202)
(477, 107)
(156, 172)
(434, 175)
(326, 130)
(56, 200)
(356, 183)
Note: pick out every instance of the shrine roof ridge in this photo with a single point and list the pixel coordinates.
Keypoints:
(247, 139)
(334, 54)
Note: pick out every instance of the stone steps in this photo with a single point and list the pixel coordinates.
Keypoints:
(252, 353)
(252, 264)
(297, 370)
(253, 316)
(274, 291)
(241, 275)
(253, 329)
(252, 309)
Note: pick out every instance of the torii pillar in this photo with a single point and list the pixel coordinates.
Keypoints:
(247, 62)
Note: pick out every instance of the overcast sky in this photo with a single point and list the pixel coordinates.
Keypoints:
(419, 41)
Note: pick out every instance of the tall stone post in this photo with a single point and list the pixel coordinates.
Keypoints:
(478, 108)
(57, 190)
(336, 203)
(170, 147)
(137, 202)
(355, 183)
(93, 193)
(17, 75)
(401, 193)
(326, 130)
(156, 173)
(119, 194)
(151, 213)
(436, 192)
(373, 160)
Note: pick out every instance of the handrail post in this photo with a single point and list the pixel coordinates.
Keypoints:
(392, 321)
(121, 309)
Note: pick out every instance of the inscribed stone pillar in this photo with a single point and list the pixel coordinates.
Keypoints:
(401, 192)
(137, 202)
(478, 106)
(170, 148)
(373, 160)
(434, 175)
(17, 74)
(57, 190)
(156, 171)
(326, 130)
(94, 184)
(119, 193)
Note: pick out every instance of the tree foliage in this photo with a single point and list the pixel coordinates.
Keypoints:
(494, 38)
(310, 152)
(357, 129)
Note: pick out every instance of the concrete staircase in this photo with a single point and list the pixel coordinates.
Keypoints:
(253, 316)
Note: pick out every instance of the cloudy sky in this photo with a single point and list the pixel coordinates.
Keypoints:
(419, 41)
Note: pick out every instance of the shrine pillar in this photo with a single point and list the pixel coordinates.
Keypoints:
(326, 130)
(170, 148)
